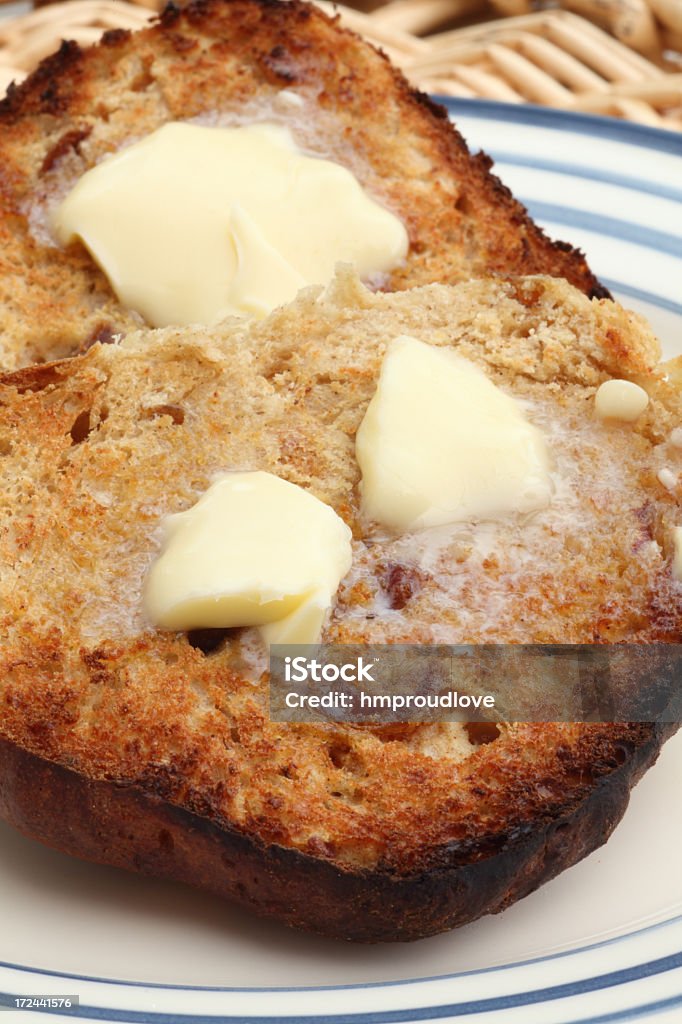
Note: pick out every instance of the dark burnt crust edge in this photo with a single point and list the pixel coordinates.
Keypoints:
(48, 91)
(120, 825)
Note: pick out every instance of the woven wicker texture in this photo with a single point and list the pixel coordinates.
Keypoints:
(618, 57)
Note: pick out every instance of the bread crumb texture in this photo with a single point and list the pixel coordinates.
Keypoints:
(95, 450)
(226, 63)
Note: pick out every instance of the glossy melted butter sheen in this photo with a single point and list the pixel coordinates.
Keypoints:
(192, 224)
(255, 550)
(440, 443)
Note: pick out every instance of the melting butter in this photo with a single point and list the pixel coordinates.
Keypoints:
(440, 443)
(255, 550)
(192, 224)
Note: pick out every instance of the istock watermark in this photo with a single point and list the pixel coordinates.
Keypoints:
(378, 684)
(301, 669)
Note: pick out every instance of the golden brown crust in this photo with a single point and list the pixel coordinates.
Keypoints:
(127, 827)
(227, 59)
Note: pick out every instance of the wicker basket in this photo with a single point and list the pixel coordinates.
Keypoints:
(619, 57)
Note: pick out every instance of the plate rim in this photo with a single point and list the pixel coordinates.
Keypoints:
(359, 986)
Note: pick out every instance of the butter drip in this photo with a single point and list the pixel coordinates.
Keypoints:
(620, 400)
(192, 223)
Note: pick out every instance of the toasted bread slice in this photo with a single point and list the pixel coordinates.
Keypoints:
(222, 63)
(155, 751)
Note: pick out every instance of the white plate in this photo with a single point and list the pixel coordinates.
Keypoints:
(600, 944)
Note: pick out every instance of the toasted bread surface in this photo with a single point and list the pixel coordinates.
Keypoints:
(103, 708)
(228, 62)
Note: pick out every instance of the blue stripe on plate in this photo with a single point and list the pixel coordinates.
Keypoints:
(397, 1016)
(652, 188)
(587, 124)
(358, 986)
(632, 1012)
(643, 296)
(613, 1017)
(610, 227)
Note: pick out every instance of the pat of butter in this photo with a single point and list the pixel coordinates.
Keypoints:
(255, 550)
(620, 400)
(441, 443)
(192, 224)
(677, 553)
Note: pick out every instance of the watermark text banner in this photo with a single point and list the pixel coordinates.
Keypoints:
(377, 684)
